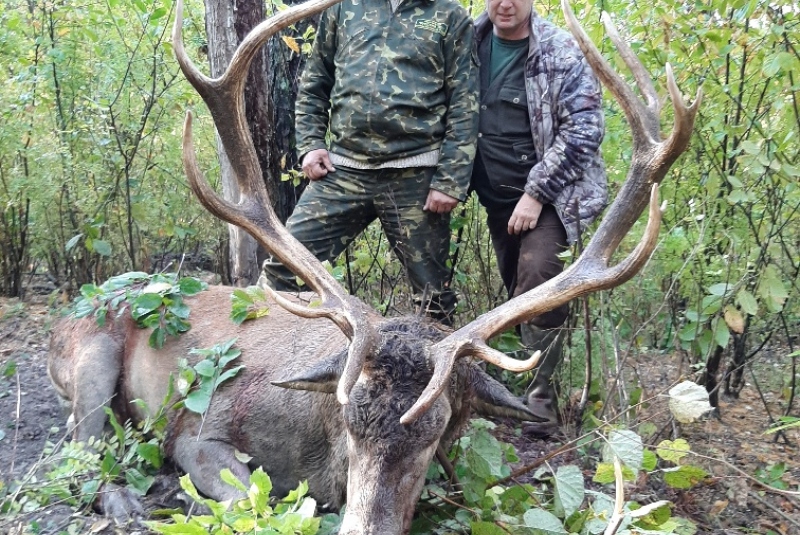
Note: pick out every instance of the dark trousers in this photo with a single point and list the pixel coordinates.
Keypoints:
(333, 211)
(528, 259)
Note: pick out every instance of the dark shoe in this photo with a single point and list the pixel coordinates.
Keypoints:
(542, 402)
(541, 431)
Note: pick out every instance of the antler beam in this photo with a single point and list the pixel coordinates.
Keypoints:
(224, 97)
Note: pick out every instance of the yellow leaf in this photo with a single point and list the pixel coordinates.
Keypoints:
(291, 43)
(734, 319)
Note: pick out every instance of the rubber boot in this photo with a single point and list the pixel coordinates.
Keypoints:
(541, 393)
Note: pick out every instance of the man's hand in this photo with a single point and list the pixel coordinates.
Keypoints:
(439, 203)
(525, 216)
(317, 164)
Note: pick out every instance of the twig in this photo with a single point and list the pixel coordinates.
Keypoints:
(775, 509)
(569, 446)
(793, 387)
(452, 502)
(17, 414)
(768, 488)
(441, 456)
(772, 420)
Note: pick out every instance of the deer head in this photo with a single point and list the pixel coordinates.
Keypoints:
(592, 271)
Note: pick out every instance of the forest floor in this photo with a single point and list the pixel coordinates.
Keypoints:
(734, 449)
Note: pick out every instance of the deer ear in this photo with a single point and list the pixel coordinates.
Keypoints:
(322, 377)
(494, 399)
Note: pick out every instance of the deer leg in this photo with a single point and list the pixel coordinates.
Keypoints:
(204, 459)
(97, 369)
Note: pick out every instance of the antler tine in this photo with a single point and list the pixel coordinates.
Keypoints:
(642, 77)
(224, 97)
(613, 81)
(685, 114)
(650, 162)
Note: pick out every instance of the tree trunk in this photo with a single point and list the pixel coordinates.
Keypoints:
(284, 68)
(227, 23)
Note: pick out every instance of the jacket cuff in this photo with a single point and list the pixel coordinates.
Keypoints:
(305, 149)
(450, 189)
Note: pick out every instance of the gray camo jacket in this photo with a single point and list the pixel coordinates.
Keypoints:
(567, 124)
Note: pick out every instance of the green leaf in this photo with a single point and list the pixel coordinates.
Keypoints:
(751, 147)
(151, 320)
(605, 474)
(722, 335)
(191, 286)
(157, 338)
(545, 522)
(684, 477)
(206, 368)
(145, 304)
(568, 490)
(229, 356)
(9, 369)
(150, 453)
(198, 400)
(243, 296)
(260, 487)
(138, 481)
(719, 289)
(228, 477)
(109, 465)
(229, 374)
(72, 242)
(225, 346)
(182, 526)
(772, 289)
(101, 247)
(180, 309)
(158, 13)
(626, 445)
(747, 301)
(486, 528)
(90, 290)
(239, 315)
(485, 456)
(673, 450)
(83, 308)
(649, 461)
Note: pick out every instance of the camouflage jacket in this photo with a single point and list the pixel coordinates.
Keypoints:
(567, 124)
(393, 85)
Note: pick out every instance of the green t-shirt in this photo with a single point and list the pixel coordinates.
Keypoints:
(504, 52)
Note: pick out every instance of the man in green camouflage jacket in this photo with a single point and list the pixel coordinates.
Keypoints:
(538, 170)
(386, 129)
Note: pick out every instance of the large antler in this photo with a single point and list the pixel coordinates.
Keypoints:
(652, 158)
(224, 97)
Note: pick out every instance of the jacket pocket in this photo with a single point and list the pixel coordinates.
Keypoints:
(525, 153)
(514, 96)
(422, 49)
(513, 113)
(353, 46)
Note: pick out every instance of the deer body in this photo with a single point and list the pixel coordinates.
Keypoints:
(296, 431)
(283, 430)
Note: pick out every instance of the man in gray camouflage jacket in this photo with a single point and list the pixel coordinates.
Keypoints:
(386, 129)
(538, 170)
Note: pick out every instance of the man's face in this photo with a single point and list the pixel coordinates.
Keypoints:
(510, 18)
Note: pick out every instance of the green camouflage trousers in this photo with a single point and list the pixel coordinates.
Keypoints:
(333, 211)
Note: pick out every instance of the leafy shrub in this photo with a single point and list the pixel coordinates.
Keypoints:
(154, 301)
